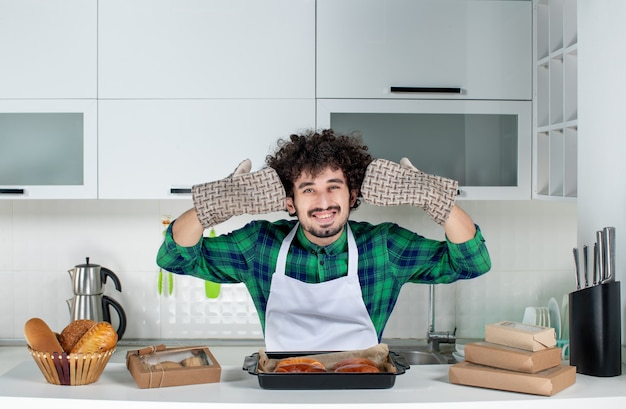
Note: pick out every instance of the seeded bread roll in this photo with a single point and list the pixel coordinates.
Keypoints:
(73, 332)
(40, 337)
(100, 338)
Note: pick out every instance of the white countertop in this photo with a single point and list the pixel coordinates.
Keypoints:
(424, 386)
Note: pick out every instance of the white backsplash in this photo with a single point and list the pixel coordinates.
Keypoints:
(530, 244)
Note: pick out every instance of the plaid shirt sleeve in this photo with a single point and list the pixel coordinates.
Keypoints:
(226, 262)
(246, 255)
(471, 259)
(434, 262)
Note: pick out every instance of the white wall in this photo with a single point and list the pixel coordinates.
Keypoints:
(530, 243)
(601, 127)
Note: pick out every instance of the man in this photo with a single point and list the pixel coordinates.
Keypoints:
(322, 282)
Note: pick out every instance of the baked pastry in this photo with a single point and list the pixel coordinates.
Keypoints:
(167, 365)
(354, 361)
(299, 364)
(356, 364)
(100, 337)
(40, 337)
(73, 332)
(299, 368)
(193, 361)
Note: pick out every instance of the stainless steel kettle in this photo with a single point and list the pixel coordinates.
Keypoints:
(96, 308)
(89, 279)
(89, 301)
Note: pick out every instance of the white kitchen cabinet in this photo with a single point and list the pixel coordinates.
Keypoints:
(555, 127)
(206, 49)
(151, 149)
(48, 149)
(48, 49)
(447, 49)
(484, 145)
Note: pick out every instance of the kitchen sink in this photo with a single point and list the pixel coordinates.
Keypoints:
(426, 357)
(423, 355)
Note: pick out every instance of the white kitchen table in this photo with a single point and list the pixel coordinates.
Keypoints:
(424, 386)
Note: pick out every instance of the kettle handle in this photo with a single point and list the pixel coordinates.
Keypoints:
(108, 301)
(105, 272)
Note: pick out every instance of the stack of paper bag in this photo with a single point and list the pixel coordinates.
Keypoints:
(515, 357)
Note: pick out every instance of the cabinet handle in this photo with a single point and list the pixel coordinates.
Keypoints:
(428, 90)
(180, 190)
(11, 191)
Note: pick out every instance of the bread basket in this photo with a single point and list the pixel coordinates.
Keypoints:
(71, 369)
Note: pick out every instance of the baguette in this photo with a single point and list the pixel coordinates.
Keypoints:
(40, 337)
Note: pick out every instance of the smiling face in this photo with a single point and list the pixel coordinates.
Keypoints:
(322, 204)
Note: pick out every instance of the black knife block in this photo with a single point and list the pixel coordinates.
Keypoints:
(595, 335)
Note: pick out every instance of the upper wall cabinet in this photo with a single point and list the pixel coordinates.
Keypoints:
(424, 49)
(206, 49)
(48, 149)
(48, 49)
(484, 145)
(158, 149)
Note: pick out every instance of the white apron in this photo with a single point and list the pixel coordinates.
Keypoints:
(327, 316)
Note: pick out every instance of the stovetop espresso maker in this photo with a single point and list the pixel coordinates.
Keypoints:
(89, 301)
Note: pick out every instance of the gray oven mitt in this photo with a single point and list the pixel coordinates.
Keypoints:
(240, 193)
(390, 184)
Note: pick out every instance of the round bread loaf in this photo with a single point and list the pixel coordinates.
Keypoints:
(40, 337)
(99, 338)
(73, 332)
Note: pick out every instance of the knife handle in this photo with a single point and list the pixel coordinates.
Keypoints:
(577, 267)
(609, 253)
(601, 244)
(586, 265)
(596, 278)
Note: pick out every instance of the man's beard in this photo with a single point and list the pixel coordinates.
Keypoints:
(321, 232)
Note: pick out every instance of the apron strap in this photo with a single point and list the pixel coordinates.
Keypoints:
(281, 261)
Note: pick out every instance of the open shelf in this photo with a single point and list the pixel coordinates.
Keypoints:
(555, 100)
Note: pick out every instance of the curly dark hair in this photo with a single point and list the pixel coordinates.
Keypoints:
(315, 151)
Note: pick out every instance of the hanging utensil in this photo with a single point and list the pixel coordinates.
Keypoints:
(160, 282)
(165, 222)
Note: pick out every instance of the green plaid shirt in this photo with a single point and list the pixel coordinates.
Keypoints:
(389, 256)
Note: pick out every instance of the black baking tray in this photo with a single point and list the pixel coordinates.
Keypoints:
(323, 380)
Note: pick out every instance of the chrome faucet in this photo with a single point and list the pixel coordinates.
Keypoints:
(436, 337)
